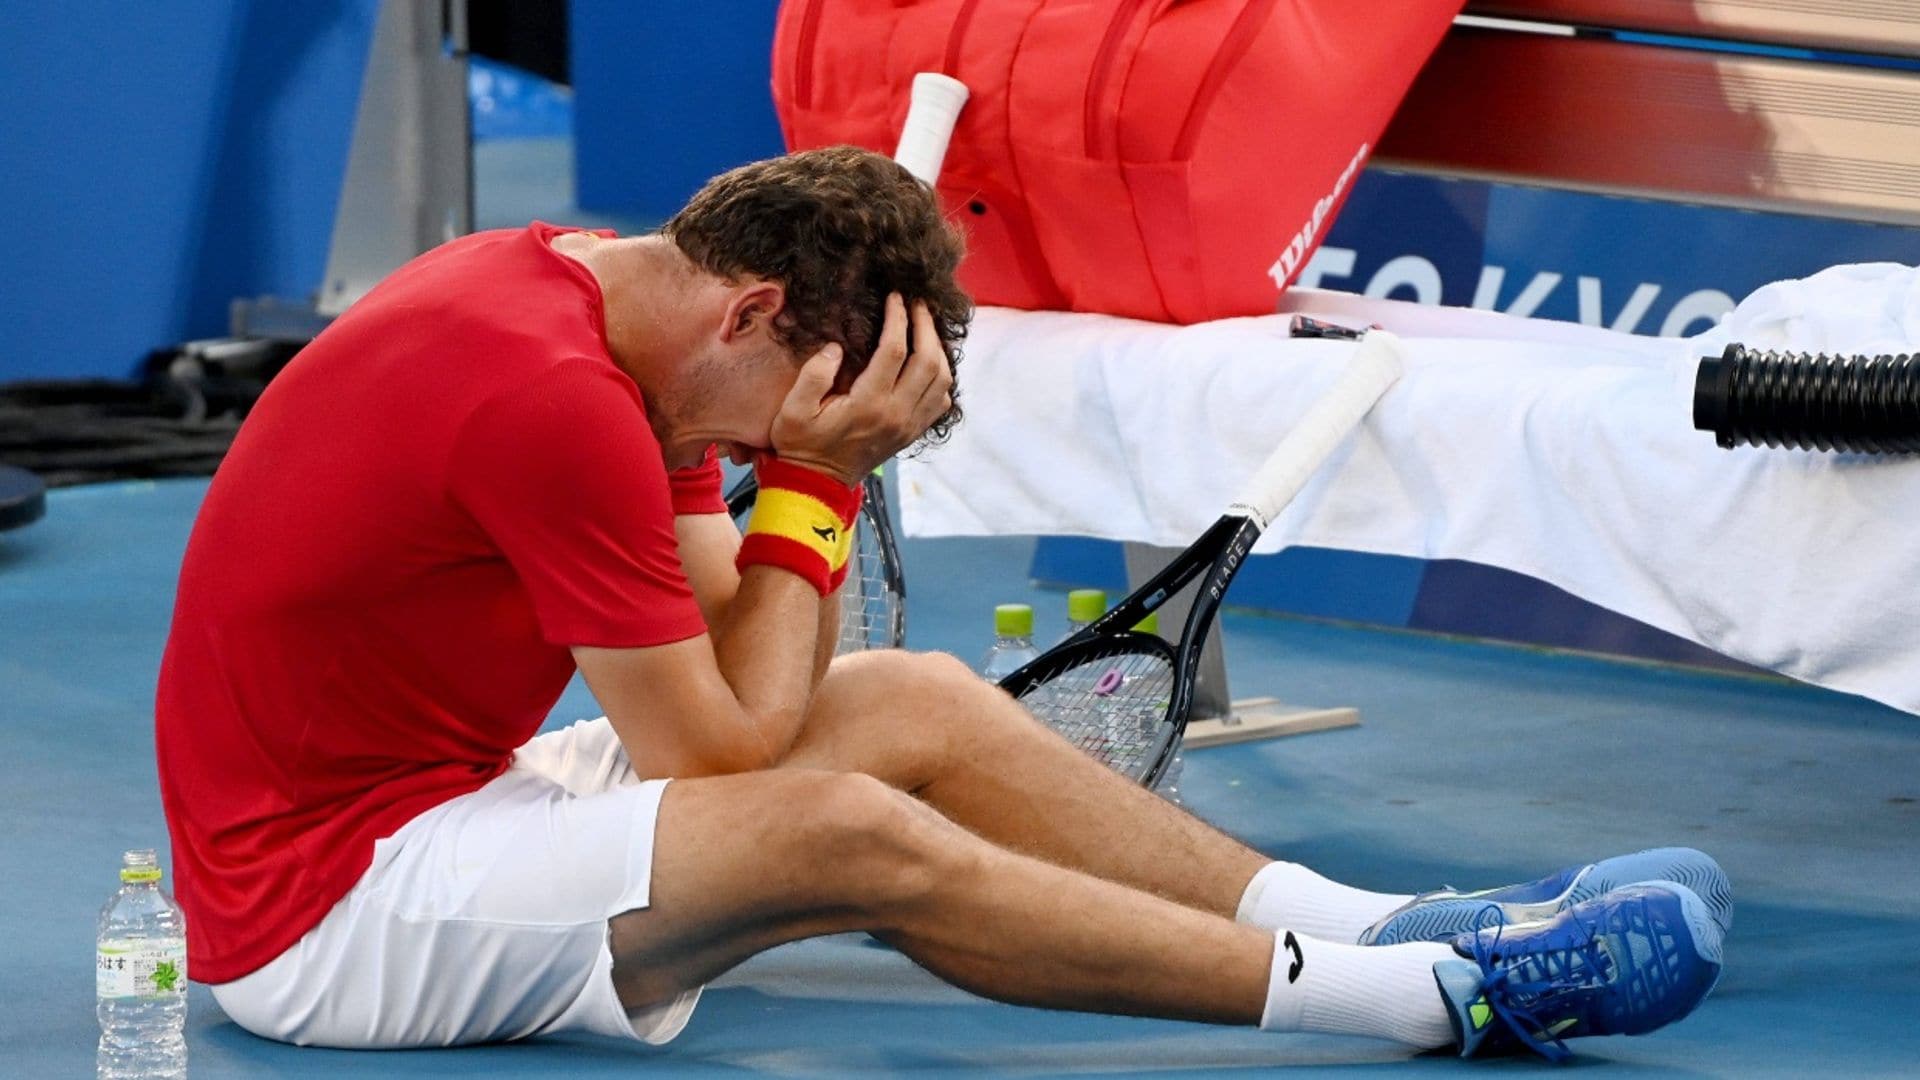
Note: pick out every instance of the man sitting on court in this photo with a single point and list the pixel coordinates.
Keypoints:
(498, 467)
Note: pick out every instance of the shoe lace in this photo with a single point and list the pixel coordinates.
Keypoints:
(1558, 974)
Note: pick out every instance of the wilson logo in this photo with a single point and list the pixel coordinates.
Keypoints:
(1290, 259)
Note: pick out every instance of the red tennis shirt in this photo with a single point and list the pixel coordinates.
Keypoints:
(443, 492)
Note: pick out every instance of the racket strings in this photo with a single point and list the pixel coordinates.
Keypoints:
(870, 613)
(1112, 708)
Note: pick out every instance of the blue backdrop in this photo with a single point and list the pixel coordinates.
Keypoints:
(665, 96)
(159, 160)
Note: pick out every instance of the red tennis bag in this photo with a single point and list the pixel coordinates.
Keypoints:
(1175, 160)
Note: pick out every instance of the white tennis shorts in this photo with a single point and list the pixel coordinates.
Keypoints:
(483, 919)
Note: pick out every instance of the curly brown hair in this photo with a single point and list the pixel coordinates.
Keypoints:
(839, 228)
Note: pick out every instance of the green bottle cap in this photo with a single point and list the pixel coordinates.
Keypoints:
(139, 866)
(1013, 620)
(1150, 624)
(1086, 605)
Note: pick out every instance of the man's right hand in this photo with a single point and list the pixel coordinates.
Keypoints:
(892, 403)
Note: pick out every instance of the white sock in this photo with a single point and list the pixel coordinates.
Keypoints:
(1385, 991)
(1285, 894)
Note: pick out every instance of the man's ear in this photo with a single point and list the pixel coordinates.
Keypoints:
(752, 308)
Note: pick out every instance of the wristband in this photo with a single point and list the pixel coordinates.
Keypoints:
(803, 522)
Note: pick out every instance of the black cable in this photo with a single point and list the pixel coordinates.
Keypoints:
(179, 420)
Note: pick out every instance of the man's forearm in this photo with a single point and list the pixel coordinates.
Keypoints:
(770, 651)
(828, 642)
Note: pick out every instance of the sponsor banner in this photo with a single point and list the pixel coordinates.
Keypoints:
(1635, 265)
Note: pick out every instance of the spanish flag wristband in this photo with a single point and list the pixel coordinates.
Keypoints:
(802, 521)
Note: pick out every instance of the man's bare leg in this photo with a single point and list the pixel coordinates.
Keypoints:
(926, 725)
(743, 863)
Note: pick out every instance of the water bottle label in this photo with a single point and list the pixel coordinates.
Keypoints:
(140, 968)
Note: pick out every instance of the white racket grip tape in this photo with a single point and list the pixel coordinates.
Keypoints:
(1376, 365)
(931, 114)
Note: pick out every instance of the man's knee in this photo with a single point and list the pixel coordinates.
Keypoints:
(932, 689)
(896, 683)
(882, 846)
(911, 718)
(910, 672)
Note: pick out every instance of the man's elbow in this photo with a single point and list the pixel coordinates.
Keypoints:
(745, 747)
(724, 761)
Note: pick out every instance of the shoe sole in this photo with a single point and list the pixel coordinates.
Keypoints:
(1683, 866)
(1441, 920)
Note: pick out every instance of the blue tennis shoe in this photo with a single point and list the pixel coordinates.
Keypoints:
(1624, 963)
(1441, 915)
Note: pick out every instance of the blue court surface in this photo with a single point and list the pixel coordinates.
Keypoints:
(1476, 764)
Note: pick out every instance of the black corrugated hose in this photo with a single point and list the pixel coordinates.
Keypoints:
(1810, 401)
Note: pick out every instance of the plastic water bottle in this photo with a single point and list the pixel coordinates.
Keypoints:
(1012, 649)
(1098, 733)
(140, 977)
(1012, 642)
(1083, 606)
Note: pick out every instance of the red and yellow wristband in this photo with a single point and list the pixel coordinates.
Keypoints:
(802, 521)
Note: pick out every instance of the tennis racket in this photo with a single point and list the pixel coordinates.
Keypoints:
(873, 601)
(1122, 696)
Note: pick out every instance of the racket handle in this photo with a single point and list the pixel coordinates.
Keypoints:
(931, 114)
(1375, 366)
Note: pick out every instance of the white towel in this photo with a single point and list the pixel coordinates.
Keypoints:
(1563, 452)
